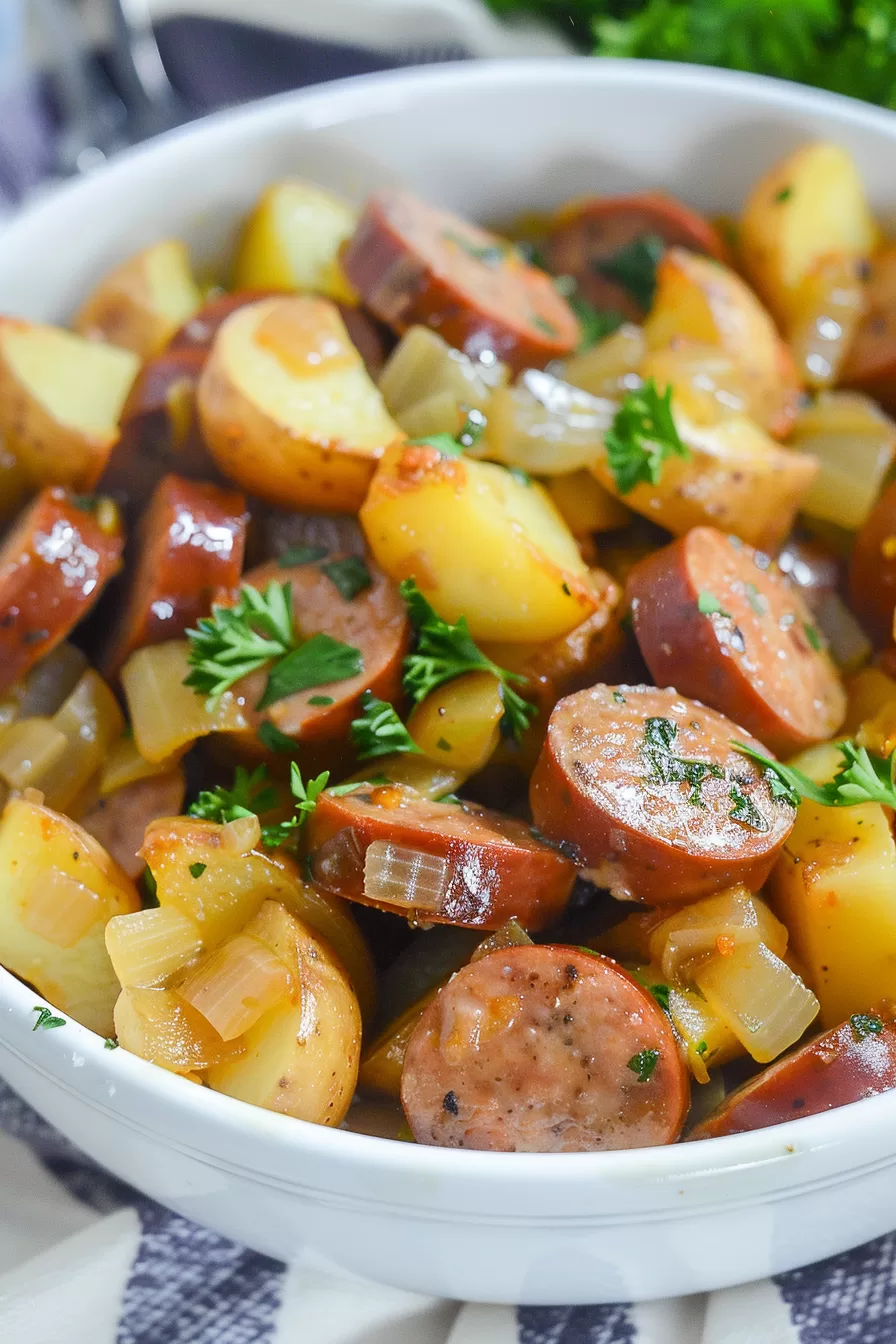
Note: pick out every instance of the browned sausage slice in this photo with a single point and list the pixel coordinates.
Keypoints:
(451, 864)
(54, 564)
(589, 235)
(855, 1060)
(870, 364)
(872, 569)
(716, 620)
(374, 621)
(415, 264)
(120, 821)
(544, 1050)
(648, 790)
(192, 538)
(200, 330)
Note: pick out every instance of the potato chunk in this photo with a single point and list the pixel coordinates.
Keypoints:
(142, 303)
(292, 241)
(480, 543)
(811, 206)
(58, 890)
(60, 401)
(833, 887)
(301, 1056)
(289, 411)
(705, 303)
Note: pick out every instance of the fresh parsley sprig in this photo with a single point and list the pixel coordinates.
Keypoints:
(863, 777)
(259, 631)
(254, 794)
(379, 731)
(642, 437)
(445, 651)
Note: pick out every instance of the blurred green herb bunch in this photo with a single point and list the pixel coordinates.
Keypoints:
(848, 47)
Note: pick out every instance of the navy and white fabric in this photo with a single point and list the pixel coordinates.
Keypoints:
(85, 1260)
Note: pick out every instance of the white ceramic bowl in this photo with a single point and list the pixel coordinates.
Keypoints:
(489, 140)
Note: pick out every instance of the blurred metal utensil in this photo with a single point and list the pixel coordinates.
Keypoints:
(151, 102)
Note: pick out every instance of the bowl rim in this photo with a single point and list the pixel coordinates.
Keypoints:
(320, 106)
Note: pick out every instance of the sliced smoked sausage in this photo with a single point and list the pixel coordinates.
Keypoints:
(414, 264)
(119, 821)
(870, 364)
(374, 621)
(647, 789)
(54, 564)
(387, 846)
(544, 1050)
(192, 539)
(855, 1060)
(719, 622)
(593, 239)
(872, 569)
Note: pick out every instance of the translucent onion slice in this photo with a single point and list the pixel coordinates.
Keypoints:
(826, 313)
(410, 878)
(717, 924)
(61, 909)
(28, 751)
(149, 947)
(91, 720)
(708, 1040)
(166, 714)
(511, 934)
(609, 368)
(52, 681)
(235, 984)
(848, 644)
(431, 779)
(708, 385)
(438, 414)
(161, 1027)
(546, 426)
(423, 366)
(855, 443)
(241, 835)
(765, 1004)
(124, 765)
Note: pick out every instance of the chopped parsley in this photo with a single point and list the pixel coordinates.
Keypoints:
(350, 575)
(270, 736)
(667, 768)
(301, 555)
(258, 632)
(661, 994)
(862, 778)
(643, 1064)
(543, 324)
(709, 605)
(110, 1043)
(321, 701)
(865, 1024)
(812, 636)
(619, 698)
(449, 445)
(445, 651)
(249, 796)
(490, 254)
(701, 1048)
(642, 437)
(783, 195)
(634, 267)
(197, 869)
(150, 895)
(745, 810)
(305, 797)
(46, 1019)
(379, 731)
(756, 599)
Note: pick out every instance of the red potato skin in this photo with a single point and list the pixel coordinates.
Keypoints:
(589, 231)
(54, 564)
(755, 661)
(535, 1049)
(872, 569)
(119, 822)
(831, 1070)
(375, 621)
(414, 264)
(497, 869)
(192, 541)
(594, 789)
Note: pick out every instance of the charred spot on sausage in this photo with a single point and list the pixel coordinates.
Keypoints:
(450, 1103)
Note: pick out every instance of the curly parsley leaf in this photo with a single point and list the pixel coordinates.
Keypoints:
(861, 778)
(46, 1019)
(642, 437)
(317, 662)
(709, 605)
(633, 266)
(305, 797)
(350, 575)
(865, 1024)
(664, 767)
(445, 651)
(249, 795)
(643, 1064)
(379, 731)
(745, 810)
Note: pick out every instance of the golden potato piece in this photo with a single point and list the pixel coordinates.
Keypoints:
(288, 410)
(736, 478)
(58, 890)
(809, 207)
(702, 302)
(292, 239)
(142, 303)
(833, 887)
(480, 542)
(60, 401)
(301, 1057)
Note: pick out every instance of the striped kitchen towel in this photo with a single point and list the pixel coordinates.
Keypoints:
(85, 1260)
